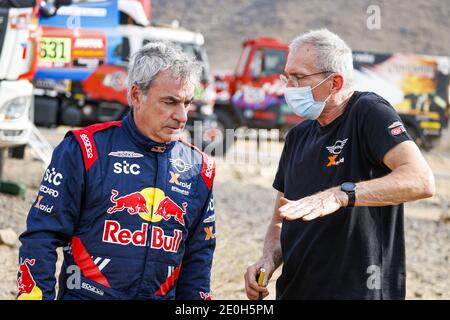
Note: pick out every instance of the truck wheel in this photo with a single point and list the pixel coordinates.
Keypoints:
(17, 152)
(224, 121)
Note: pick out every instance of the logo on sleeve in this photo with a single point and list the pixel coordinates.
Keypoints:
(28, 290)
(180, 166)
(210, 234)
(205, 295)
(53, 177)
(42, 207)
(180, 186)
(335, 151)
(396, 128)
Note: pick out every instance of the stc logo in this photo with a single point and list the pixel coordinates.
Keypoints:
(126, 168)
(53, 177)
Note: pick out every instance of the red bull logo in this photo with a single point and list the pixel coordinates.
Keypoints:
(205, 295)
(144, 203)
(114, 233)
(151, 205)
(168, 208)
(166, 242)
(26, 282)
(134, 203)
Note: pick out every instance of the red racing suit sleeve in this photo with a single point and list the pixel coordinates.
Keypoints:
(194, 281)
(51, 221)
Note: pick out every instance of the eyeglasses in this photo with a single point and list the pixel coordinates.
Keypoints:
(296, 79)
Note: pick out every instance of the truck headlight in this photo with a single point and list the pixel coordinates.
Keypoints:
(16, 108)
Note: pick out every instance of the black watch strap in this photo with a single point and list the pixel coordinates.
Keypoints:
(350, 189)
(351, 199)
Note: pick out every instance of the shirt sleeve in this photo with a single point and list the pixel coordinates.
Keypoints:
(50, 222)
(194, 282)
(381, 129)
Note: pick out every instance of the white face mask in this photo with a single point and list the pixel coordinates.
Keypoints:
(302, 102)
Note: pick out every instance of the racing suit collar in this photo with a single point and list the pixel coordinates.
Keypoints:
(141, 140)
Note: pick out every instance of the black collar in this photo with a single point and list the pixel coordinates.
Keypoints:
(143, 141)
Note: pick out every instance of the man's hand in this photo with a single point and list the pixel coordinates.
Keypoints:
(251, 284)
(315, 206)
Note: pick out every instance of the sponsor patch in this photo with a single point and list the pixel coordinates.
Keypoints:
(337, 147)
(210, 219)
(396, 128)
(53, 177)
(209, 233)
(125, 154)
(205, 295)
(179, 165)
(126, 168)
(42, 207)
(44, 189)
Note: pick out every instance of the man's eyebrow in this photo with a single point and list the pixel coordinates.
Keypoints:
(172, 99)
(298, 74)
(189, 100)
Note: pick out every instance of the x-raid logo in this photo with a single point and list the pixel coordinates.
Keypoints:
(335, 151)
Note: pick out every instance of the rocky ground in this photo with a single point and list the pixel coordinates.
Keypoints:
(244, 202)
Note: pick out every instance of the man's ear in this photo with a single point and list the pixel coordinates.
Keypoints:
(136, 97)
(337, 83)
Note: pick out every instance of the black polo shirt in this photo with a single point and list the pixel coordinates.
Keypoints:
(354, 253)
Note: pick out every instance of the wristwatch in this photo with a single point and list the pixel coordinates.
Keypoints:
(350, 189)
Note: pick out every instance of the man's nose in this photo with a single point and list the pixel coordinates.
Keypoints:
(180, 113)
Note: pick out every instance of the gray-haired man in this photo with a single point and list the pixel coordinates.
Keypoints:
(130, 203)
(342, 178)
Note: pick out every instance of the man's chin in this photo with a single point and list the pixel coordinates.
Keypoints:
(173, 136)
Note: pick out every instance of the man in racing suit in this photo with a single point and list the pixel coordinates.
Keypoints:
(129, 202)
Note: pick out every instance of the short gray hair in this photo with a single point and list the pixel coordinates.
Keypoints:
(157, 56)
(333, 54)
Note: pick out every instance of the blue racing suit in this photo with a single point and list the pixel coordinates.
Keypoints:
(135, 219)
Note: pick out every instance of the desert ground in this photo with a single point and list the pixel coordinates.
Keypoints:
(244, 203)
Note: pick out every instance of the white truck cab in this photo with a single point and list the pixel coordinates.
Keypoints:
(16, 61)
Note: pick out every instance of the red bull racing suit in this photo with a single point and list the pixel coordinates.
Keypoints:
(135, 219)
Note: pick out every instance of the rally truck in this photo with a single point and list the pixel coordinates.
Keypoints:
(77, 53)
(17, 48)
(416, 85)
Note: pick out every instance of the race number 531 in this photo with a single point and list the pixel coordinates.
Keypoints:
(55, 49)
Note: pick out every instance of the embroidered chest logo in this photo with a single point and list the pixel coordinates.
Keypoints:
(335, 150)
